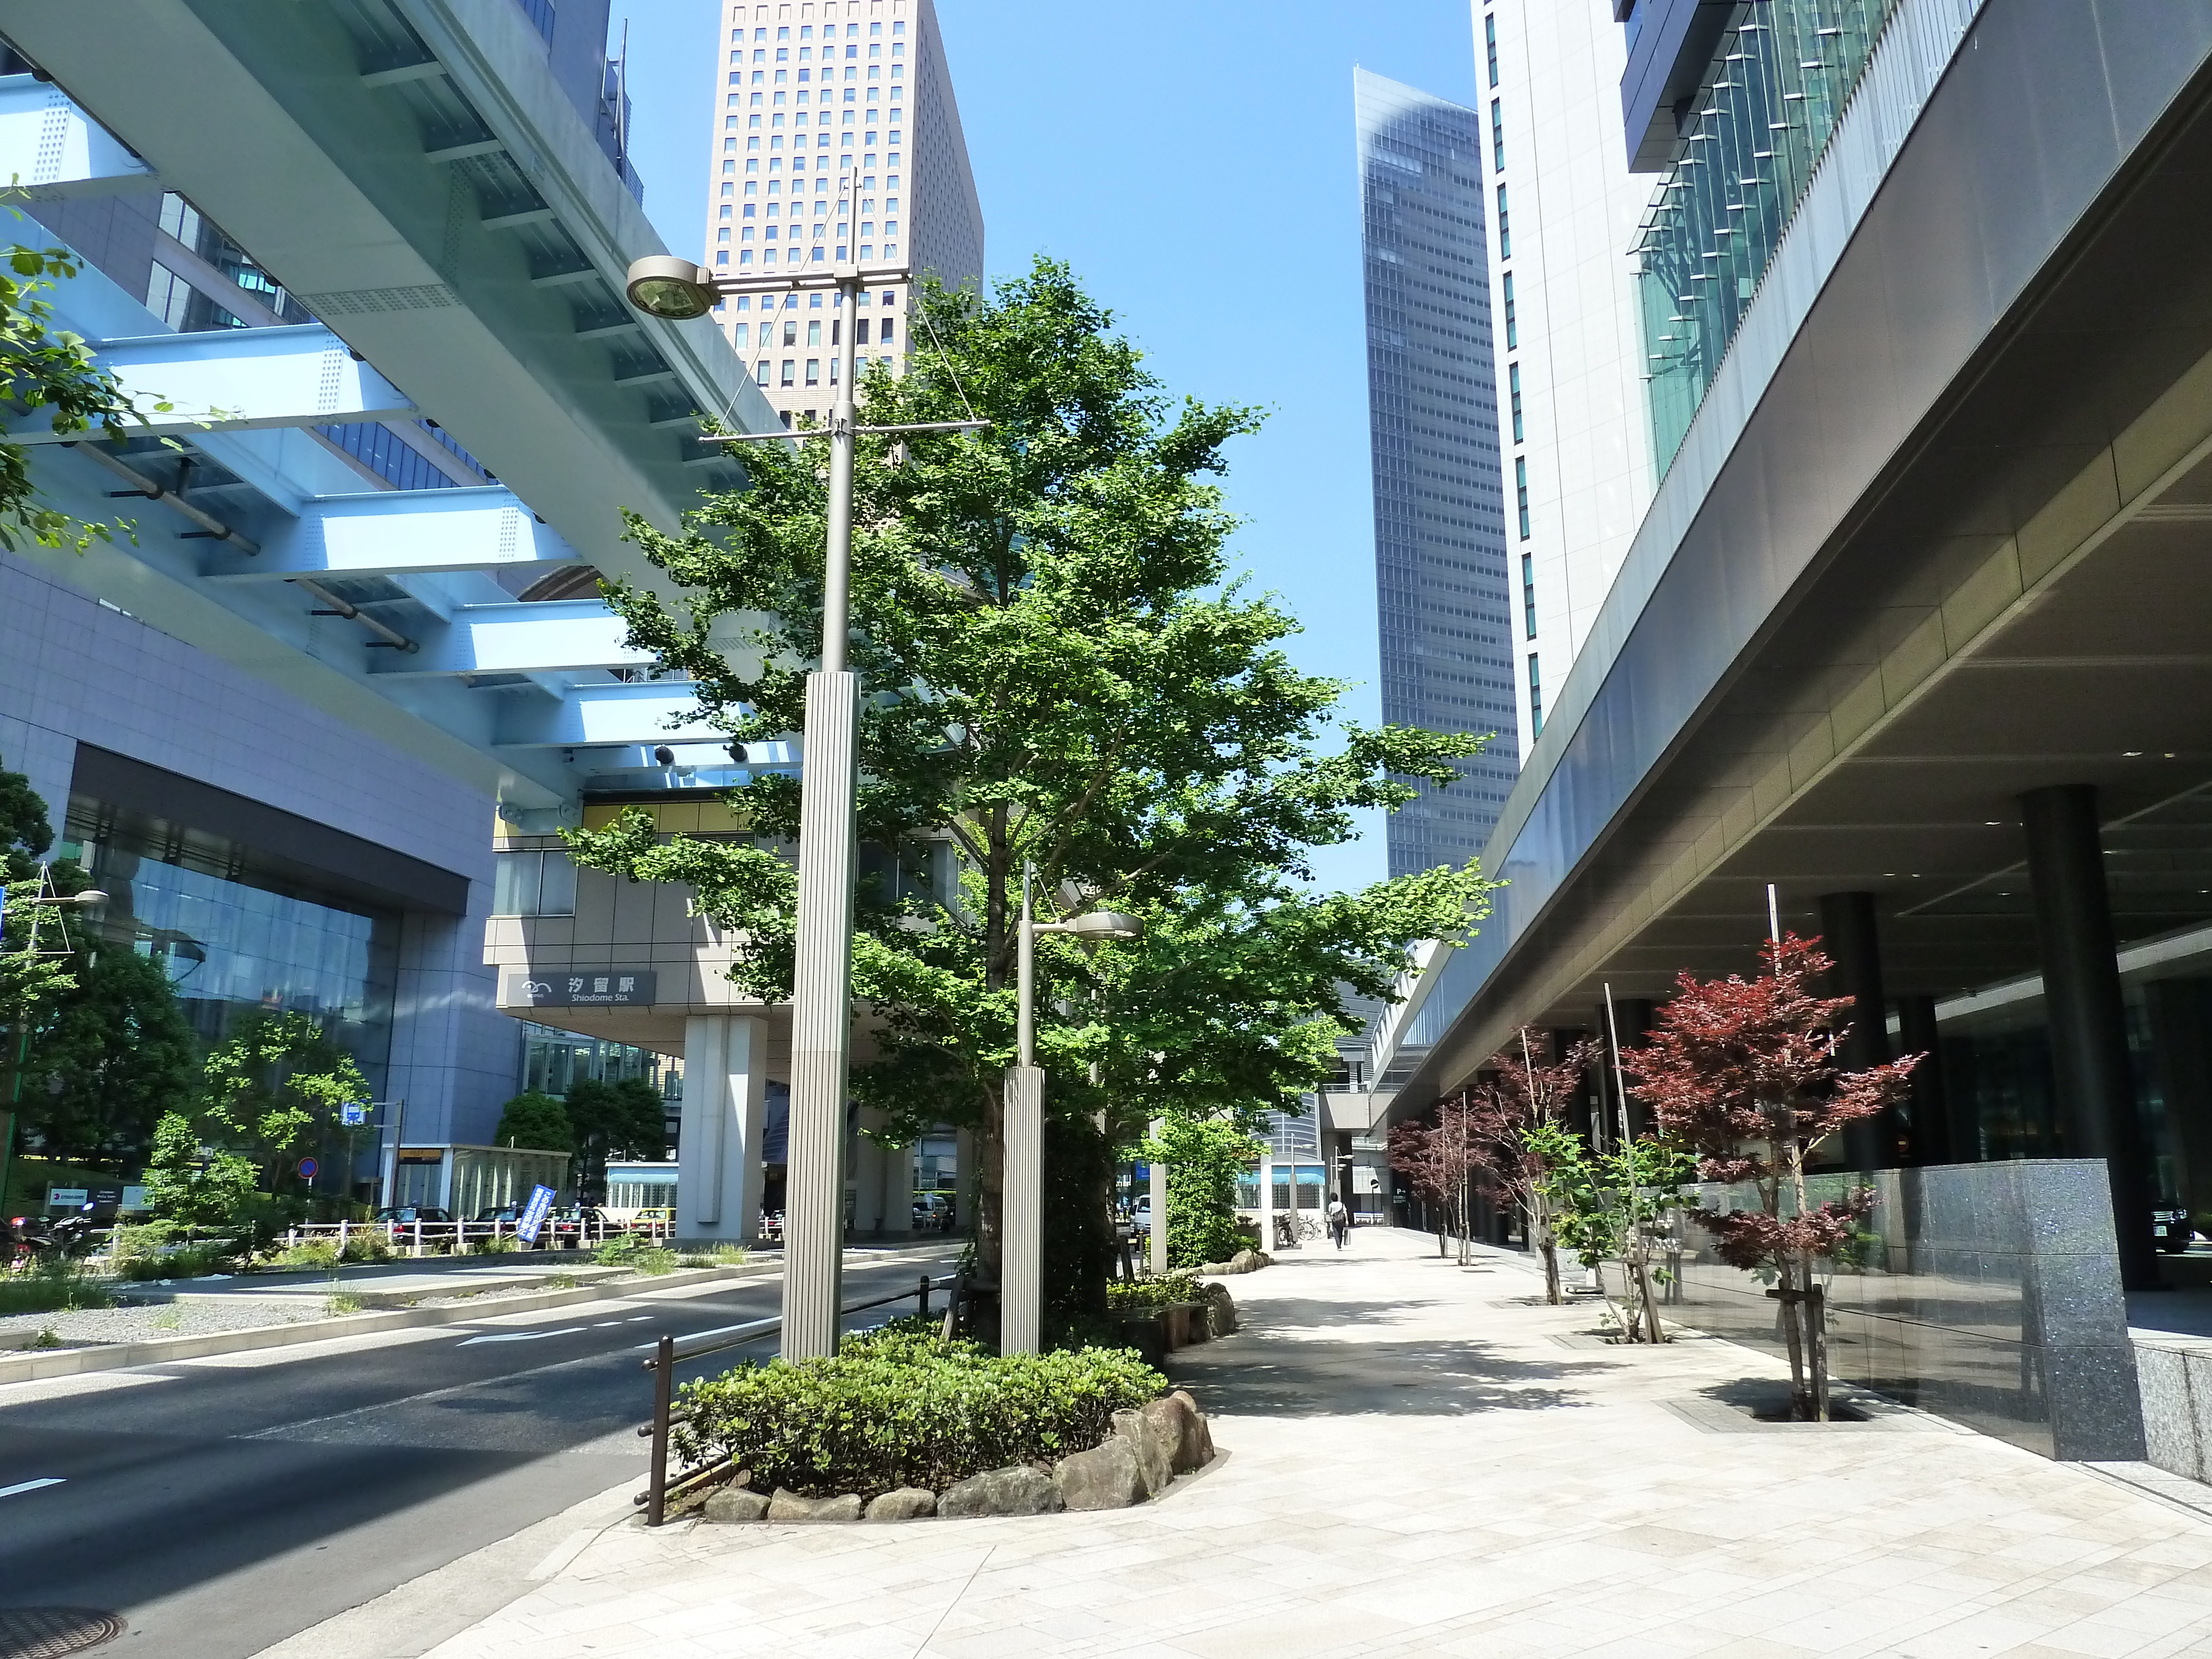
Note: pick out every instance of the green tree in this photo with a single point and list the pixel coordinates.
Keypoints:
(1204, 1156)
(1057, 670)
(28, 983)
(275, 1086)
(628, 1119)
(113, 1053)
(535, 1120)
(198, 1185)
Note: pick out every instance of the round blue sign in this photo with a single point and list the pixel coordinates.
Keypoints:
(308, 1168)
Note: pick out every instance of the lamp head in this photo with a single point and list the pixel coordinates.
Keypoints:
(91, 898)
(1104, 924)
(662, 285)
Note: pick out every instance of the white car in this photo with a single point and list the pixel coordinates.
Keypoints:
(1140, 1214)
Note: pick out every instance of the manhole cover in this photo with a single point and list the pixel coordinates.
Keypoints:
(50, 1633)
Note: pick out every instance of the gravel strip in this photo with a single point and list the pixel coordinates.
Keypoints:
(85, 1326)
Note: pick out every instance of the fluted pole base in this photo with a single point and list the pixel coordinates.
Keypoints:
(1021, 1211)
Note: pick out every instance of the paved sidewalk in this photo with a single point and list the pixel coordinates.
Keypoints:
(1423, 1459)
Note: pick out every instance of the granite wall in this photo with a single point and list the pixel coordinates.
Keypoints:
(1987, 1293)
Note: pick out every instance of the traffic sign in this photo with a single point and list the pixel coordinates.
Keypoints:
(353, 1113)
(533, 1214)
(308, 1168)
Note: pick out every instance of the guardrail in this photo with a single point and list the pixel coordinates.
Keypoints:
(417, 1238)
(672, 1351)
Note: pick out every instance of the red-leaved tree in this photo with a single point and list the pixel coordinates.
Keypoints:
(1436, 1157)
(1516, 1093)
(1744, 1073)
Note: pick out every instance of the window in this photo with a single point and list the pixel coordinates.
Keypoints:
(814, 367)
(760, 370)
(1528, 592)
(861, 338)
(1512, 322)
(538, 884)
(1498, 135)
(1490, 43)
(790, 331)
(1521, 491)
(1536, 698)
(790, 372)
(1505, 227)
(814, 333)
(737, 334)
(885, 333)
(1513, 385)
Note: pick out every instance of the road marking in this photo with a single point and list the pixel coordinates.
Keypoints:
(607, 1324)
(521, 1336)
(29, 1485)
(637, 1319)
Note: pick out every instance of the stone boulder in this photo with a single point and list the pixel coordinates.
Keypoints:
(1197, 1449)
(790, 1508)
(1220, 1309)
(906, 1504)
(1018, 1490)
(734, 1504)
(1249, 1261)
(1104, 1478)
(1154, 1444)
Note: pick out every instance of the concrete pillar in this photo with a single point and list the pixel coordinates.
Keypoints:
(1156, 1242)
(1579, 1101)
(1848, 935)
(898, 1192)
(2088, 1022)
(1943, 1130)
(866, 1178)
(718, 1184)
(1268, 1199)
(1021, 1214)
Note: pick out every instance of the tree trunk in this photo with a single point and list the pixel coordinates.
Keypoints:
(1793, 1333)
(991, 1133)
(1808, 1381)
(1816, 1339)
(1539, 1233)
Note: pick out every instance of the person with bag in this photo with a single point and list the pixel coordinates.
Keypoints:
(1340, 1221)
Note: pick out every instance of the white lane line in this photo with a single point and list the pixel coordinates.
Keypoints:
(637, 1319)
(521, 1336)
(29, 1485)
(607, 1325)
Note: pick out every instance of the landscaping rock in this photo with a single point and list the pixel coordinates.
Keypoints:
(1249, 1261)
(788, 1508)
(1220, 1309)
(906, 1504)
(1154, 1445)
(734, 1504)
(1019, 1490)
(1104, 1478)
(1198, 1445)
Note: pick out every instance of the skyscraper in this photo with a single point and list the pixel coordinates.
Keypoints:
(814, 87)
(1441, 549)
(1571, 358)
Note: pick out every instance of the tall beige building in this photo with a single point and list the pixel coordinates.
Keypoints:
(1570, 357)
(812, 88)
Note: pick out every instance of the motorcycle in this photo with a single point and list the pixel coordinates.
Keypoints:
(33, 1242)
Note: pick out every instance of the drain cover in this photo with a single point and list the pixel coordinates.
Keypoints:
(51, 1632)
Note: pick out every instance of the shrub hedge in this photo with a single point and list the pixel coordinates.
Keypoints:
(1143, 1295)
(900, 1406)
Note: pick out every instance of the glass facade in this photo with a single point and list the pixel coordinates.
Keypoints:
(1787, 72)
(1443, 575)
(241, 931)
(553, 1060)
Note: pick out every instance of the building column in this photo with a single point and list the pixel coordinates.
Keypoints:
(898, 1192)
(1266, 1198)
(1578, 1104)
(1940, 1135)
(864, 1159)
(1633, 1015)
(2181, 1056)
(719, 1178)
(2088, 1022)
(1849, 935)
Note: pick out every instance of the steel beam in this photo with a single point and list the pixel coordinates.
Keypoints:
(401, 532)
(543, 638)
(602, 717)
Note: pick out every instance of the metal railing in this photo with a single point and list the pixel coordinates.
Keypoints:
(672, 1351)
(417, 1238)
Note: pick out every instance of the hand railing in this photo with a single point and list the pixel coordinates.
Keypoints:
(672, 1351)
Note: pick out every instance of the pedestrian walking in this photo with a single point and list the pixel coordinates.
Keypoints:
(1340, 1221)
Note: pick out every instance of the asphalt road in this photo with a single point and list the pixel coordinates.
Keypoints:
(221, 1505)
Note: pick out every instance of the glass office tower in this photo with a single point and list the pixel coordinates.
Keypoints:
(1442, 550)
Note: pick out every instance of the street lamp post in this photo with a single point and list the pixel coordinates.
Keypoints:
(46, 898)
(1021, 1212)
(821, 1025)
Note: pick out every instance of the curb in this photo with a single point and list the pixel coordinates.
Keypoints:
(74, 1362)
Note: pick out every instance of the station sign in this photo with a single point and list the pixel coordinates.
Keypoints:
(591, 988)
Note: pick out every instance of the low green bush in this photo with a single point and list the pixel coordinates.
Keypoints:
(495, 1244)
(54, 1288)
(637, 1252)
(369, 1245)
(722, 1256)
(320, 1254)
(900, 1406)
(185, 1261)
(1143, 1295)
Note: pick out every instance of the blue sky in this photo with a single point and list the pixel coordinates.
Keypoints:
(1220, 221)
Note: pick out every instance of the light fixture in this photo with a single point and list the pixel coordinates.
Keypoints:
(1097, 924)
(2130, 754)
(662, 285)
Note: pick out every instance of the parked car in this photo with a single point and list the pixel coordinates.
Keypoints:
(435, 1223)
(1140, 1215)
(2172, 1230)
(933, 1213)
(578, 1223)
(662, 1218)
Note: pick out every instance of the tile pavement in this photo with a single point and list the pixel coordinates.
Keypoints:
(1423, 1459)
